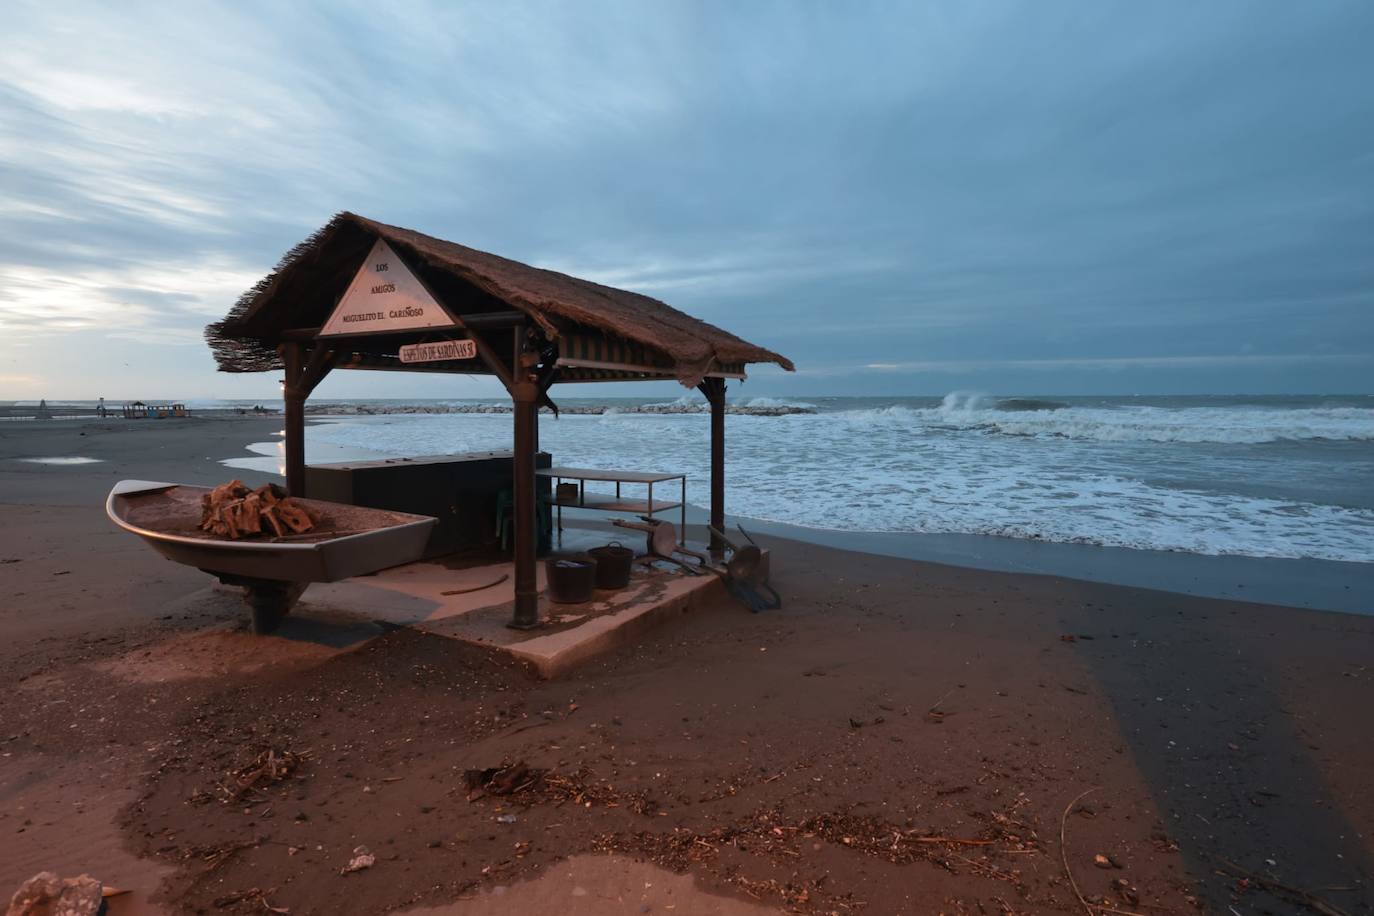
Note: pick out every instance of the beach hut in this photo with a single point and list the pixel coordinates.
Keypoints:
(359, 294)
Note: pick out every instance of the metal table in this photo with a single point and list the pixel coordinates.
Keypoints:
(617, 503)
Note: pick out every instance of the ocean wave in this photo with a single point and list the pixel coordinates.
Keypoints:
(775, 402)
(964, 402)
(1037, 418)
(1181, 425)
(886, 471)
(1017, 404)
(758, 407)
(1104, 511)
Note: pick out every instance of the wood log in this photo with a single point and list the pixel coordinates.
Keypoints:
(232, 510)
(294, 515)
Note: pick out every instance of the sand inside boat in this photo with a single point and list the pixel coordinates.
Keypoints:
(177, 511)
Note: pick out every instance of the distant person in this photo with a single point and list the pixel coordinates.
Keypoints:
(100, 410)
(43, 409)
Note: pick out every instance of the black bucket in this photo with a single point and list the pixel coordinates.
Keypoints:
(612, 565)
(571, 580)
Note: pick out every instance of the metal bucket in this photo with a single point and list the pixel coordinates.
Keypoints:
(612, 565)
(571, 580)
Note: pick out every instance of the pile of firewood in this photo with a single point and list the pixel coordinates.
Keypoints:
(234, 511)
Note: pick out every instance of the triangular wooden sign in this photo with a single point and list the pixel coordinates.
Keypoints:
(385, 296)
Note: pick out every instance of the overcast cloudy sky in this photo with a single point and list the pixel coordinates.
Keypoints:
(905, 198)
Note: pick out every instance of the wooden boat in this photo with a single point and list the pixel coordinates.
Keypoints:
(348, 541)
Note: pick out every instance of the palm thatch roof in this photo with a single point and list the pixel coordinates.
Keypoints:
(307, 284)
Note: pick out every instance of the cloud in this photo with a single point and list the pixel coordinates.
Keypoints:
(1118, 363)
(143, 302)
(994, 185)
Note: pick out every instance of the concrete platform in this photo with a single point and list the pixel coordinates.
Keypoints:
(474, 604)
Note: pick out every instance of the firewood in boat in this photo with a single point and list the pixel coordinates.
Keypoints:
(245, 514)
(270, 514)
(294, 515)
(232, 510)
(213, 504)
(228, 492)
(209, 515)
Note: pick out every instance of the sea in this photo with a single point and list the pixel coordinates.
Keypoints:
(1288, 476)
(1261, 476)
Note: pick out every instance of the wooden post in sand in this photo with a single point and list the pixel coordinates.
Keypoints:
(295, 419)
(525, 395)
(714, 389)
(303, 372)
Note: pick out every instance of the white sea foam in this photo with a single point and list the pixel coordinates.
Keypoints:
(688, 401)
(697, 404)
(775, 402)
(1225, 425)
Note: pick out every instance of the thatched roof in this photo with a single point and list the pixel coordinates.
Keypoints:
(311, 278)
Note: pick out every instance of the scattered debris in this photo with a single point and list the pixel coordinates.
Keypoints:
(771, 833)
(1064, 849)
(502, 780)
(934, 714)
(45, 893)
(361, 859)
(1125, 891)
(1284, 891)
(253, 895)
(268, 767)
(476, 588)
(215, 856)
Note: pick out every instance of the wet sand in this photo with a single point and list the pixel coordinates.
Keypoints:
(902, 737)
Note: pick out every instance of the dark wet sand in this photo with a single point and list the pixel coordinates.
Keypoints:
(819, 758)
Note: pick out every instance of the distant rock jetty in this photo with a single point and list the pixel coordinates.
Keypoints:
(367, 410)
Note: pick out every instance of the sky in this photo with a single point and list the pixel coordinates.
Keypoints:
(904, 198)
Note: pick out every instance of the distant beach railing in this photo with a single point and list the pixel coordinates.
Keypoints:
(134, 411)
(44, 411)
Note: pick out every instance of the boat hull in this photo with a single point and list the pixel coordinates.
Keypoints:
(399, 538)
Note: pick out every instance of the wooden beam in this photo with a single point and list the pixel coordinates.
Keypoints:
(714, 389)
(472, 320)
(525, 395)
(493, 363)
(316, 367)
(294, 415)
(350, 360)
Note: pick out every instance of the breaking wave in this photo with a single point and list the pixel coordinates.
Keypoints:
(968, 411)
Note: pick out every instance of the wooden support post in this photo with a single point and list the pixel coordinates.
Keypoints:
(294, 396)
(525, 395)
(714, 389)
(303, 372)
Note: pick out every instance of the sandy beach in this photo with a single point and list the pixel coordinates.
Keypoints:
(901, 737)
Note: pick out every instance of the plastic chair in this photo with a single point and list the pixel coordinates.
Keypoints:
(505, 520)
